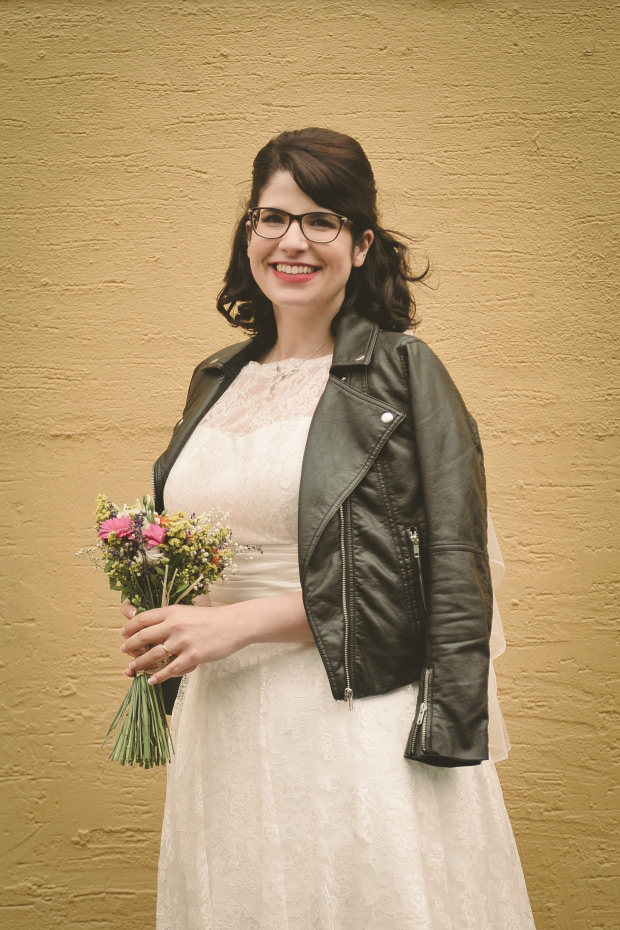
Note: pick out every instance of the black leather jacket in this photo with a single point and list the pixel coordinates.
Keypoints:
(393, 557)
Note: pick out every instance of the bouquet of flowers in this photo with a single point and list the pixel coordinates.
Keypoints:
(154, 559)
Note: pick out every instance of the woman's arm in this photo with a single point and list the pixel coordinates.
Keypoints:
(197, 634)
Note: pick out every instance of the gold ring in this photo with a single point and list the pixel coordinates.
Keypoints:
(167, 651)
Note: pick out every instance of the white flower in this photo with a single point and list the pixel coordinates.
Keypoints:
(127, 511)
(154, 554)
(151, 555)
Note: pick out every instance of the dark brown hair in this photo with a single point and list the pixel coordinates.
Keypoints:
(333, 170)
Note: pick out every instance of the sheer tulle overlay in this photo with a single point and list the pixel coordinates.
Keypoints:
(284, 809)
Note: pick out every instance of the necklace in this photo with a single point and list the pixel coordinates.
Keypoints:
(281, 374)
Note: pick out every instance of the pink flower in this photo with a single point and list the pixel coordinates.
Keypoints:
(153, 534)
(121, 526)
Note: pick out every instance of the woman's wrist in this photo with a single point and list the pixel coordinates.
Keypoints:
(278, 619)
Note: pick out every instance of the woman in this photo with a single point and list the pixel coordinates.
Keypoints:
(331, 733)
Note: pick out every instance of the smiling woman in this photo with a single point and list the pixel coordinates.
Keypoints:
(332, 767)
(314, 171)
(304, 278)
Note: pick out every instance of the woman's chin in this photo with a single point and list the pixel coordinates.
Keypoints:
(304, 297)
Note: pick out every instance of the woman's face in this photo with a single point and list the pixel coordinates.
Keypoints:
(274, 262)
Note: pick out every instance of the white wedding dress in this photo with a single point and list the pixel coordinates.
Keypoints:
(285, 810)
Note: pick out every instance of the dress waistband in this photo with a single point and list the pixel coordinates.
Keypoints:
(273, 571)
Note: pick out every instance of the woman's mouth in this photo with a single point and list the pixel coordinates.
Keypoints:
(294, 273)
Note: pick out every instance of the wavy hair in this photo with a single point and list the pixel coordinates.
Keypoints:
(333, 170)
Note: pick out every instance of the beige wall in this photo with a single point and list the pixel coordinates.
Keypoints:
(128, 133)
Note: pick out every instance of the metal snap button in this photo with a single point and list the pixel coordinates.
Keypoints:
(387, 417)
(358, 358)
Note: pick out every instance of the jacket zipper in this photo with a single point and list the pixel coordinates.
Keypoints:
(348, 691)
(414, 536)
(421, 721)
(422, 714)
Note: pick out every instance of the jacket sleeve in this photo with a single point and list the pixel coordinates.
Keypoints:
(451, 721)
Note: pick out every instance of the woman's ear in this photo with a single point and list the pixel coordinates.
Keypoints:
(248, 232)
(360, 249)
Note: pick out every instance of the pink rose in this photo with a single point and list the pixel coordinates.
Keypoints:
(153, 534)
(121, 526)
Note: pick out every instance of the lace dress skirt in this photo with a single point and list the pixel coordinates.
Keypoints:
(286, 810)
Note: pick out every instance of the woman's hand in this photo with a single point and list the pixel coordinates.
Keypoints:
(191, 634)
(202, 633)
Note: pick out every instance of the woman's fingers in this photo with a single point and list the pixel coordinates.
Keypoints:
(144, 639)
(128, 610)
(134, 650)
(144, 631)
(145, 619)
(151, 665)
(152, 660)
(172, 670)
(157, 662)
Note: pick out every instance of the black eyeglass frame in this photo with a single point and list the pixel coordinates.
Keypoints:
(299, 217)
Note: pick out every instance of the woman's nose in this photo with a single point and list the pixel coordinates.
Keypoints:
(293, 238)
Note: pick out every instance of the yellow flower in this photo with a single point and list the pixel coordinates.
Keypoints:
(102, 509)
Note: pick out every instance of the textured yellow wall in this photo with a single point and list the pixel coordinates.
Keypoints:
(128, 130)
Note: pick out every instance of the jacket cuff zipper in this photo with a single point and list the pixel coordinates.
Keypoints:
(422, 715)
(422, 718)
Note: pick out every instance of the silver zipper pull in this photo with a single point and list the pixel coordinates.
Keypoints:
(415, 539)
(417, 725)
(348, 696)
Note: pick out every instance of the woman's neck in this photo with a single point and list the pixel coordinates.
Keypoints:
(278, 354)
(298, 338)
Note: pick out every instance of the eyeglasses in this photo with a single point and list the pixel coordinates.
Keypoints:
(317, 227)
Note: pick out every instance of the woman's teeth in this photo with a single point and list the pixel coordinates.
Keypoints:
(295, 269)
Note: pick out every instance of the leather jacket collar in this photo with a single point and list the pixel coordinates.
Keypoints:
(354, 342)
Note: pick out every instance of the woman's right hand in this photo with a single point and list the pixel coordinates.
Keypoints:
(190, 634)
(200, 632)
(129, 611)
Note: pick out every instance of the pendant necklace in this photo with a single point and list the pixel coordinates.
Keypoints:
(281, 373)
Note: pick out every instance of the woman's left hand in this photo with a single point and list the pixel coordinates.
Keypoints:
(192, 634)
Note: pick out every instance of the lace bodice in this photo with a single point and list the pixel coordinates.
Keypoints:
(244, 458)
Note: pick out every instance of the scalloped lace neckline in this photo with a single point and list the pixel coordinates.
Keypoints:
(288, 363)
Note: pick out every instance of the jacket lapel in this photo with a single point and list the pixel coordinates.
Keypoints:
(347, 432)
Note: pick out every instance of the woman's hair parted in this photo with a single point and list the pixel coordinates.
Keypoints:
(333, 170)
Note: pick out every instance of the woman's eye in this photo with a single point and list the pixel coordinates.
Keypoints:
(323, 221)
(272, 218)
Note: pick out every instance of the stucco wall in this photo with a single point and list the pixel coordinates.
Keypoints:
(128, 130)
